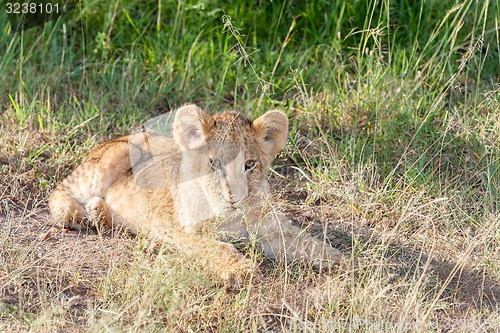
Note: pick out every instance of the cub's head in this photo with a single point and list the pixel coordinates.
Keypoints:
(227, 154)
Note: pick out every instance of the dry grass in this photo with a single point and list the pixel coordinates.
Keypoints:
(414, 270)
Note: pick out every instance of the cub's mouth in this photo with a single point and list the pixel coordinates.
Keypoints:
(228, 207)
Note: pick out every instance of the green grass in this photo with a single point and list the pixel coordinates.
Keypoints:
(394, 153)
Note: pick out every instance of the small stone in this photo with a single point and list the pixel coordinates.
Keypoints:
(44, 236)
(53, 230)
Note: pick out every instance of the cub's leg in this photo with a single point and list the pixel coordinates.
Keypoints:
(98, 214)
(78, 202)
(66, 211)
(221, 258)
(283, 241)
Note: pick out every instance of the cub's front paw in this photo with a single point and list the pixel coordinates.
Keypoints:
(329, 258)
(237, 274)
(231, 266)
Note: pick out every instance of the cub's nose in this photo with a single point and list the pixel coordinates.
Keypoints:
(237, 193)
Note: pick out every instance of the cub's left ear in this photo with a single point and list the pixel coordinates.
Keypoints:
(271, 132)
(191, 126)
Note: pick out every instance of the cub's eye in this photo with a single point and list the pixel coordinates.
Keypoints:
(250, 164)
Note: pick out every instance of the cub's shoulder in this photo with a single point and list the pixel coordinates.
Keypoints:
(116, 147)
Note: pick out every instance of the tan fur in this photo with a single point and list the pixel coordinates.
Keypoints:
(211, 177)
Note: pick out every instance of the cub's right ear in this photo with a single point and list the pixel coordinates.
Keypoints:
(271, 132)
(191, 125)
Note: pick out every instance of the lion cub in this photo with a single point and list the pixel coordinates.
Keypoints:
(209, 180)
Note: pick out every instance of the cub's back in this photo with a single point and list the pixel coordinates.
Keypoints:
(109, 162)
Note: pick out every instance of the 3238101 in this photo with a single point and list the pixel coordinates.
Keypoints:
(32, 8)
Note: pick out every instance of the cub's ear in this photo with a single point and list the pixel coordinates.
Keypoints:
(191, 126)
(271, 132)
